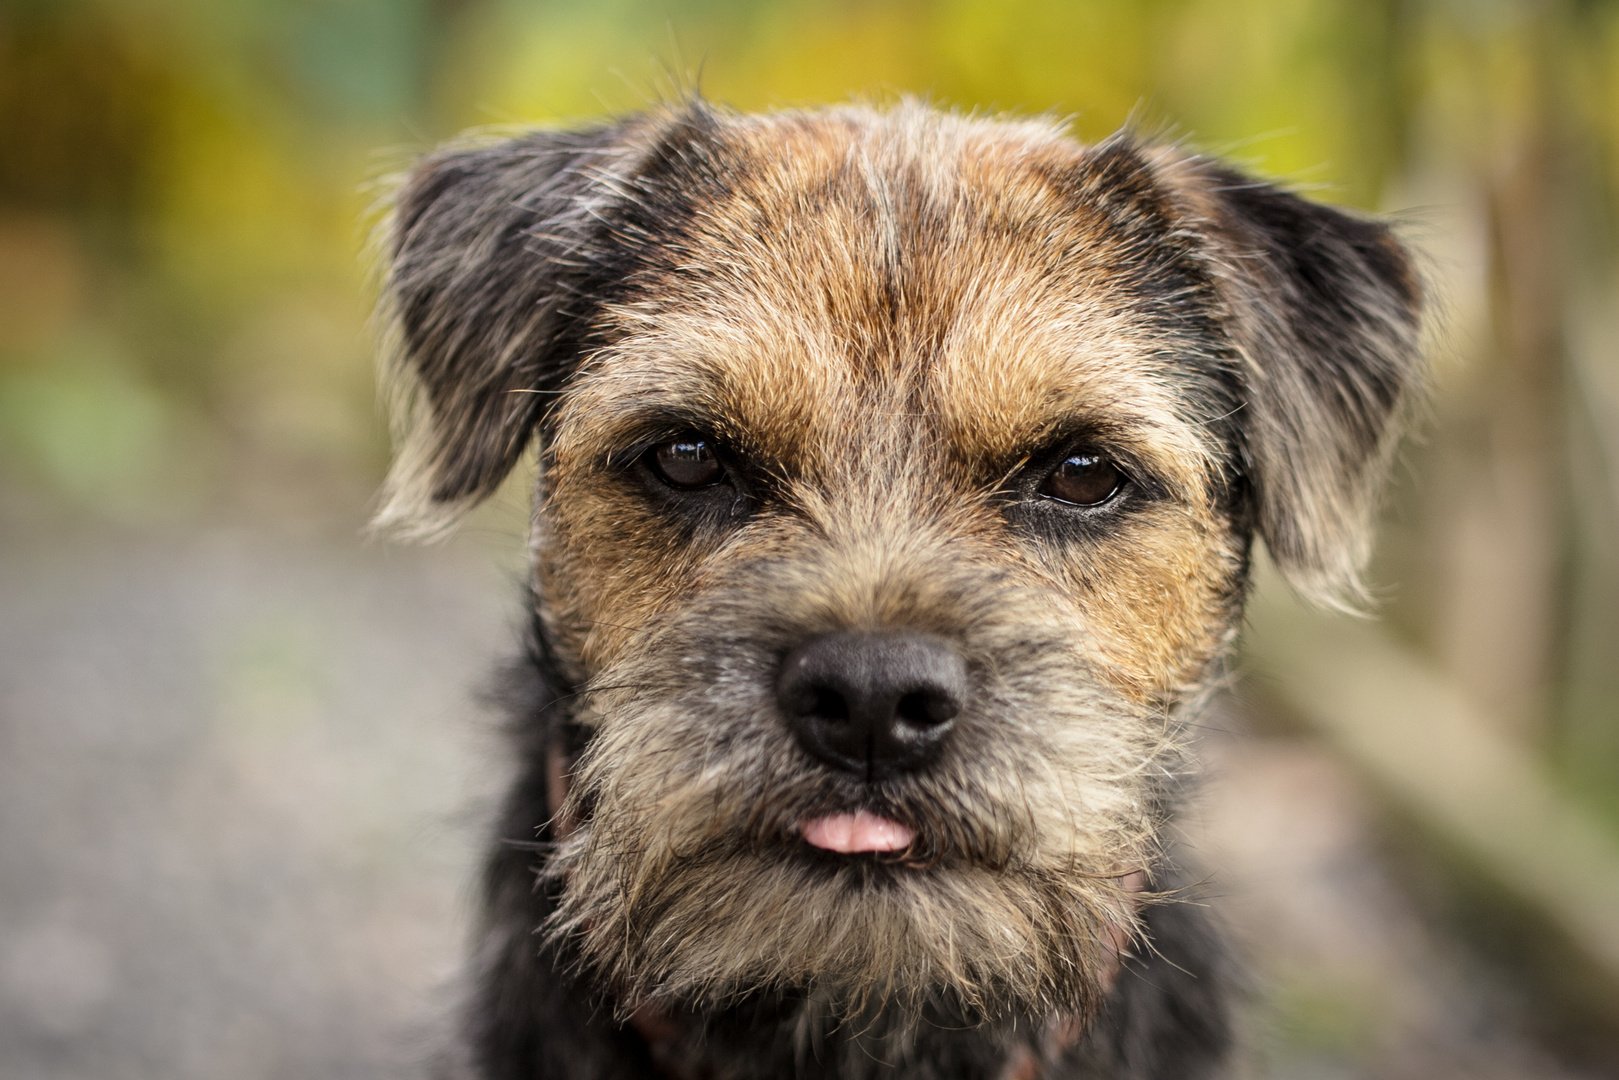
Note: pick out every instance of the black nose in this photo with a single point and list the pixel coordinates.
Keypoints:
(873, 704)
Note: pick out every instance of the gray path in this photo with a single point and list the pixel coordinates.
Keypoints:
(240, 781)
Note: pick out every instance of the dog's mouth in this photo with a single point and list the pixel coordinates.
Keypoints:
(857, 832)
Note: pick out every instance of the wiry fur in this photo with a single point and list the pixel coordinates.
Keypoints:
(688, 883)
(482, 308)
(1321, 307)
(895, 324)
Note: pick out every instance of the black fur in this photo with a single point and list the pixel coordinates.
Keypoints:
(497, 269)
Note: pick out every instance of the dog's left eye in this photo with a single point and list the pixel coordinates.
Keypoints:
(687, 463)
(1083, 480)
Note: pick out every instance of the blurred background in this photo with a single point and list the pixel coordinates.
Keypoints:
(244, 766)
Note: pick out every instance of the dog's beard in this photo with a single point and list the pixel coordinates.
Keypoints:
(686, 880)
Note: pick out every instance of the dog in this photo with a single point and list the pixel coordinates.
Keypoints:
(899, 477)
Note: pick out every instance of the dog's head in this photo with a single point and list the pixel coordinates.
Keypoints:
(898, 477)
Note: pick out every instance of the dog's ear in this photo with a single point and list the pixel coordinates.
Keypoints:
(494, 255)
(1324, 310)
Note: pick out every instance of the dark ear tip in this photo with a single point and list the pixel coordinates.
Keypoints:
(476, 459)
(497, 266)
(1324, 306)
(431, 179)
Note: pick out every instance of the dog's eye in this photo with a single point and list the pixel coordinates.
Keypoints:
(687, 463)
(1083, 480)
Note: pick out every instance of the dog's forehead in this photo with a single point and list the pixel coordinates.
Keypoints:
(851, 272)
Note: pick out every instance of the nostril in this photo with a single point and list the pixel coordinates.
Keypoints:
(926, 708)
(829, 705)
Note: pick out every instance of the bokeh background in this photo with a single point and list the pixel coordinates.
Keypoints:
(244, 766)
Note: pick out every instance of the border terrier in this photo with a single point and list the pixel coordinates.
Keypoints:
(898, 477)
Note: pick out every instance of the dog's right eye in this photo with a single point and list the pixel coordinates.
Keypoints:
(687, 463)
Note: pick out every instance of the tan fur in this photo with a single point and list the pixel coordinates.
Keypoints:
(894, 432)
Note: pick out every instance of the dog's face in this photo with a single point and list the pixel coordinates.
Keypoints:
(898, 478)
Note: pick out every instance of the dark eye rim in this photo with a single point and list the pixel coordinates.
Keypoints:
(1135, 484)
(1121, 479)
(731, 496)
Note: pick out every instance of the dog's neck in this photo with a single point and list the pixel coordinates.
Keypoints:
(682, 1047)
(688, 1051)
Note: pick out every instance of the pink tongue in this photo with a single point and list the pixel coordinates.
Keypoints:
(859, 831)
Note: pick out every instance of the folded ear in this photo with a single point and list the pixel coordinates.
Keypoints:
(496, 255)
(1324, 309)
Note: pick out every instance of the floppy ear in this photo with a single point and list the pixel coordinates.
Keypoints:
(1324, 310)
(496, 255)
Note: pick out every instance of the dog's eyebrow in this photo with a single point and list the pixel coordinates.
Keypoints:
(1022, 376)
(1089, 433)
(626, 434)
(614, 428)
(998, 432)
(768, 406)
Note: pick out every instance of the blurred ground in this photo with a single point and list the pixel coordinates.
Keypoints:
(242, 779)
(241, 775)
(1349, 978)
